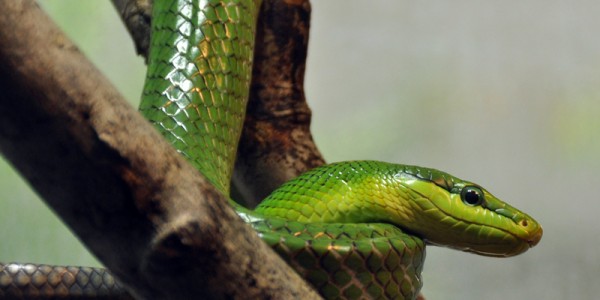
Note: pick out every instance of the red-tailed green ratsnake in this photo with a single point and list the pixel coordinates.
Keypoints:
(353, 229)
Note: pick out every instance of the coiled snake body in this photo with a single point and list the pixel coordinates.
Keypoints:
(352, 229)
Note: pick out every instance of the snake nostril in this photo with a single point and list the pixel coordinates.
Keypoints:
(524, 223)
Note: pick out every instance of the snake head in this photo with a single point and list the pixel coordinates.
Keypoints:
(437, 207)
(465, 216)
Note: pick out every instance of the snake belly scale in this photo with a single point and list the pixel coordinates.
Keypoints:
(355, 229)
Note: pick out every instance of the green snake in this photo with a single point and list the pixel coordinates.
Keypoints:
(353, 229)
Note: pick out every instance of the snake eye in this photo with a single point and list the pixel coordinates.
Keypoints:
(472, 196)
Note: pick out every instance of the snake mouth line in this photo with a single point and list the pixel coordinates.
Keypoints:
(535, 237)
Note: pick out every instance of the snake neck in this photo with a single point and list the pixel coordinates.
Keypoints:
(198, 79)
(350, 192)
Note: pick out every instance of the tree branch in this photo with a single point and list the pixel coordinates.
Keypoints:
(276, 144)
(127, 194)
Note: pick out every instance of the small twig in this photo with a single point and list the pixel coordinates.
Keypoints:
(137, 16)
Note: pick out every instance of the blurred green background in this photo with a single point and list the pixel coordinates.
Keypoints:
(505, 94)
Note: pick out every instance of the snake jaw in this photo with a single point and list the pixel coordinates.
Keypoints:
(492, 228)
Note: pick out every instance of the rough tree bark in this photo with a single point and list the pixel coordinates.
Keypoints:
(152, 219)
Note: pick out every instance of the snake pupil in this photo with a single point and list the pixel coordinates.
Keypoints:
(472, 196)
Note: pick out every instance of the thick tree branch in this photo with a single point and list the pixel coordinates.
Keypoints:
(137, 204)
